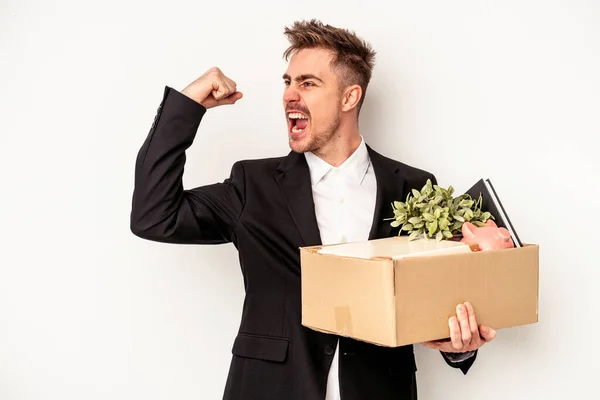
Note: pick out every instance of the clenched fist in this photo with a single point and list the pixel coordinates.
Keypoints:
(213, 89)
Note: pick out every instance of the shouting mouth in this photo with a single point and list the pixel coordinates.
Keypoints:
(297, 123)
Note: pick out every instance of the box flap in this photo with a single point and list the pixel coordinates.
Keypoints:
(394, 248)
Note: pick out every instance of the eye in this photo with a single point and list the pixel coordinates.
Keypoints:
(286, 83)
(308, 84)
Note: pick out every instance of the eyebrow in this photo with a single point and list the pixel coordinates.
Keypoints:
(303, 77)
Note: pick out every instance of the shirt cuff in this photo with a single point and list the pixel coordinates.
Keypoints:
(459, 357)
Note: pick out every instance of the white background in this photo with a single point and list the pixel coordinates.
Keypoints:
(507, 89)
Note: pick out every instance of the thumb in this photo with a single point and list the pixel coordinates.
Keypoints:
(487, 333)
(231, 99)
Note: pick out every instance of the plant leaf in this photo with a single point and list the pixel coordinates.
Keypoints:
(443, 223)
(407, 227)
(413, 236)
(433, 227)
(466, 203)
(414, 220)
(428, 217)
(468, 214)
(398, 204)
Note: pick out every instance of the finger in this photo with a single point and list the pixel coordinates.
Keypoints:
(438, 342)
(229, 87)
(473, 327)
(220, 88)
(221, 93)
(463, 319)
(228, 84)
(487, 333)
(231, 84)
(455, 335)
(231, 99)
(432, 345)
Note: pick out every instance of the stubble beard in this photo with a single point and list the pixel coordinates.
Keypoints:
(319, 141)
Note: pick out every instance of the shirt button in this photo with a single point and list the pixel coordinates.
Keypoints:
(342, 201)
(329, 350)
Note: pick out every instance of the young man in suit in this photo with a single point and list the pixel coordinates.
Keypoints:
(332, 187)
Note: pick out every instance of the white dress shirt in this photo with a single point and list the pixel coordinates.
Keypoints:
(344, 200)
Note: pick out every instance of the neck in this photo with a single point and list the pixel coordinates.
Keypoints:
(341, 146)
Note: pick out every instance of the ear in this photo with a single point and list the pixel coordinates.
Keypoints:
(468, 230)
(351, 97)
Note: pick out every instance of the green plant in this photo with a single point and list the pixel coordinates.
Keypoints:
(435, 212)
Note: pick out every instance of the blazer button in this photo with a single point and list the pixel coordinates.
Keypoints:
(329, 350)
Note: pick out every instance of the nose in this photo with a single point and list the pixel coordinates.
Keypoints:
(290, 94)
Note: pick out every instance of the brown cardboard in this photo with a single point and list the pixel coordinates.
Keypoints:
(392, 299)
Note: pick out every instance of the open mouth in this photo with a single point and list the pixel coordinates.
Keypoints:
(297, 122)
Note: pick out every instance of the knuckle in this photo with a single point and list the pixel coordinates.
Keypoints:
(215, 72)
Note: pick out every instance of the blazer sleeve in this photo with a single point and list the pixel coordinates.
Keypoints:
(464, 365)
(161, 209)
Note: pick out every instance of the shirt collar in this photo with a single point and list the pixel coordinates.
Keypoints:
(355, 166)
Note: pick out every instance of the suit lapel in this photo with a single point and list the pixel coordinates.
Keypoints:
(293, 179)
(389, 189)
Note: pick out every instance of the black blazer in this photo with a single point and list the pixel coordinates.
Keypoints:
(265, 209)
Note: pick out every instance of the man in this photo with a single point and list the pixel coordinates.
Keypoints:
(330, 188)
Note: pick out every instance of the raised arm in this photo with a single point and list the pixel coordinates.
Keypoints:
(161, 209)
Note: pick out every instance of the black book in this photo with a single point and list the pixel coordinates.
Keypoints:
(491, 202)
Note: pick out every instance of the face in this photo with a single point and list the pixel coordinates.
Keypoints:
(312, 100)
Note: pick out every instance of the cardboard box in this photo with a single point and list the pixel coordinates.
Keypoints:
(391, 292)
